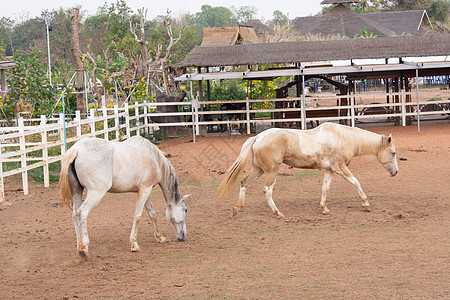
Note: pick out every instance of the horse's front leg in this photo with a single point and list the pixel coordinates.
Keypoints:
(325, 188)
(143, 195)
(345, 173)
(152, 214)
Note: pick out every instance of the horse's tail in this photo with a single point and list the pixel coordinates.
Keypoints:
(236, 168)
(66, 188)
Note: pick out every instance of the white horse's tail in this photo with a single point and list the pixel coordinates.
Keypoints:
(66, 188)
(236, 168)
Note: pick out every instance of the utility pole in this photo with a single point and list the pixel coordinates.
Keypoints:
(47, 24)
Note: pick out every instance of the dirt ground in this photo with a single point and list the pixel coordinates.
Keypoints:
(398, 250)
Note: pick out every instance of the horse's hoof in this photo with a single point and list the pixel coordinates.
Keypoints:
(162, 240)
(326, 212)
(280, 216)
(234, 212)
(135, 248)
(83, 254)
(366, 207)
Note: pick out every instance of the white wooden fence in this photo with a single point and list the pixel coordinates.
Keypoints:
(37, 146)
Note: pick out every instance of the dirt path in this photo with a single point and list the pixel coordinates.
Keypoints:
(398, 250)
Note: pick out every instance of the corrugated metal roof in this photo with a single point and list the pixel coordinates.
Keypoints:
(349, 70)
(338, 1)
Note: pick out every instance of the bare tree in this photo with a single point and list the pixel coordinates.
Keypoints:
(77, 56)
(149, 67)
(98, 93)
(142, 66)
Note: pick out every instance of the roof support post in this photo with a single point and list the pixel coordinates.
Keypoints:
(208, 86)
(352, 105)
(303, 108)
(387, 85)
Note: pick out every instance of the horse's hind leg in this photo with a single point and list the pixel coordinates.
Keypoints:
(325, 188)
(268, 189)
(77, 200)
(143, 195)
(152, 214)
(254, 174)
(93, 198)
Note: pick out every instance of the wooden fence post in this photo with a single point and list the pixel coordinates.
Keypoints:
(92, 123)
(197, 126)
(78, 122)
(302, 105)
(247, 108)
(45, 151)
(127, 120)
(146, 127)
(136, 117)
(352, 109)
(105, 123)
(402, 98)
(116, 122)
(2, 186)
(23, 157)
(61, 133)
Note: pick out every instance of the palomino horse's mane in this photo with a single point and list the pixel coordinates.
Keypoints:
(358, 139)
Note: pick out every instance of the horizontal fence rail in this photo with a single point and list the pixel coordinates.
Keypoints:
(37, 143)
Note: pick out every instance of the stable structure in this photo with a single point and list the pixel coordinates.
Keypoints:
(396, 59)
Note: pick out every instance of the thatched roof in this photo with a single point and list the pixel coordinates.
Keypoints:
(295, 52)
(219, 36)
(338, 1)
(248, 35)
(303, 22)
(402, 22)
(261, 30)
(344, 21)
(226, 36)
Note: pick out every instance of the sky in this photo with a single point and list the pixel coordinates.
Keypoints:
(17, 9)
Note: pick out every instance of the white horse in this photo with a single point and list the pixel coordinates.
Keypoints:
(135, 165)
(329, 146)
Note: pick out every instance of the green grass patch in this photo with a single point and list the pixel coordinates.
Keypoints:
(263, 114)
(307, 173)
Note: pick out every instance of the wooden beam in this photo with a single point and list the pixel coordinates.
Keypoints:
(3, 81)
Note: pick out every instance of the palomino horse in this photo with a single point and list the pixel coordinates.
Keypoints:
(329, 146)
(135, 165)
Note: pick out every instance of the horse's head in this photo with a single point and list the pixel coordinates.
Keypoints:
(175, 214)
(387, 157)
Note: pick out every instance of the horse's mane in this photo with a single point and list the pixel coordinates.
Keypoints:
(361, 140)
(169, 178)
